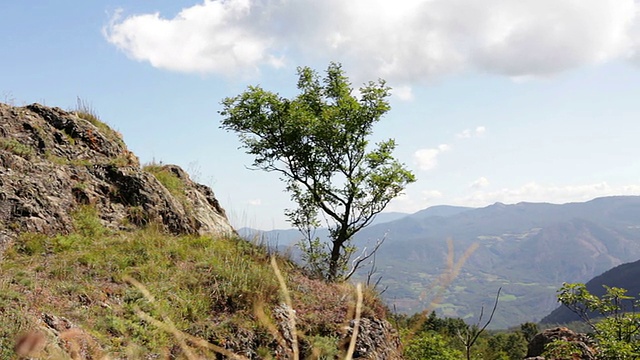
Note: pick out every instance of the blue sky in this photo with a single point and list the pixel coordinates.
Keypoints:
(494, 101)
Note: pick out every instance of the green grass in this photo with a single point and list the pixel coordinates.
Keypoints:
(17, 148)
(193, 278)
(167, 178)
(207, 287)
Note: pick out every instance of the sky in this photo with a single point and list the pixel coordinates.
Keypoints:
(493, 101)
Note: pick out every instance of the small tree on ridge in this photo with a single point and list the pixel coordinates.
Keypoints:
(318, 143)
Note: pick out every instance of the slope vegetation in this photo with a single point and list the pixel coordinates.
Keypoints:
(77, 293)
(103, 258)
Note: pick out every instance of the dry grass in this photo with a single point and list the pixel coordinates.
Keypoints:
(200, 297)
(207, 295)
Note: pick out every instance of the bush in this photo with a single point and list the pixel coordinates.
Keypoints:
(617, 331)
(431, 345)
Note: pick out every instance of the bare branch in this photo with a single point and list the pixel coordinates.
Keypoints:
(356, 263)
(472, 333)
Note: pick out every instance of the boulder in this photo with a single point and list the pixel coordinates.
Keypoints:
(584, 343)
(377, 340)
(53, 162)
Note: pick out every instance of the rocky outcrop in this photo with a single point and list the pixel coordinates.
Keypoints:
(52, 162)
(583, 345)
(377, 340)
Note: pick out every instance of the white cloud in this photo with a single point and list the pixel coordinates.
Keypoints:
(469, 133)
(427, 159)
(534, 192)
(255, 202)
(404, 93)
(409, 41)
(213, 37)
(465, 134)
(480, 183)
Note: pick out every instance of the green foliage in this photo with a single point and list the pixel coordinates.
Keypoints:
(529, 330)
(17, 148)
(420, 330)
(31, 244)
(87, 222)
(506, 346)
(562, 350)
(318, 143)
(449, 326)
(315, 256)
(617, 332)
(323, 347)
(431, 345)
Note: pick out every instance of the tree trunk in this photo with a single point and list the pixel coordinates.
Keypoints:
(337, 243)
(334, 261)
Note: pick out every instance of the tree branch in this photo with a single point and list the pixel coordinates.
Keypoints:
(362, 258)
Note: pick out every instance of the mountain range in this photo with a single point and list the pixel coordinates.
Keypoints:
(527, 249)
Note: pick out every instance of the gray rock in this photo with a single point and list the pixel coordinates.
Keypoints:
(52, 162)
(583, 342)
(377, 340)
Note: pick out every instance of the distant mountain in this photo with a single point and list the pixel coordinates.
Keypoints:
(387, 217)
(287, 237)
(440, 210)
(528, 249)
(626, 276)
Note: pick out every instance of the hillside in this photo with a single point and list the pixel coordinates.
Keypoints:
(101, 257)
(626, 276)
(528, 249)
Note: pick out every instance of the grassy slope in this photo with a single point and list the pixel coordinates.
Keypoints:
(207, 287)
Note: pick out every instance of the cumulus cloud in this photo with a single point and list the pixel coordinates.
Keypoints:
(469, 133)
(406, 42)
(534, 192)
(427, 159)
(213, 37)
(480, 183)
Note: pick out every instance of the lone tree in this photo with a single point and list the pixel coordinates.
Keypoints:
(318, 143)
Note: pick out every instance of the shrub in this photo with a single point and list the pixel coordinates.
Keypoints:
(431, 345)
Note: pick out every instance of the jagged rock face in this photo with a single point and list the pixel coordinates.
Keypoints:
(377, 340)
(583, 342)
(52, 162)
